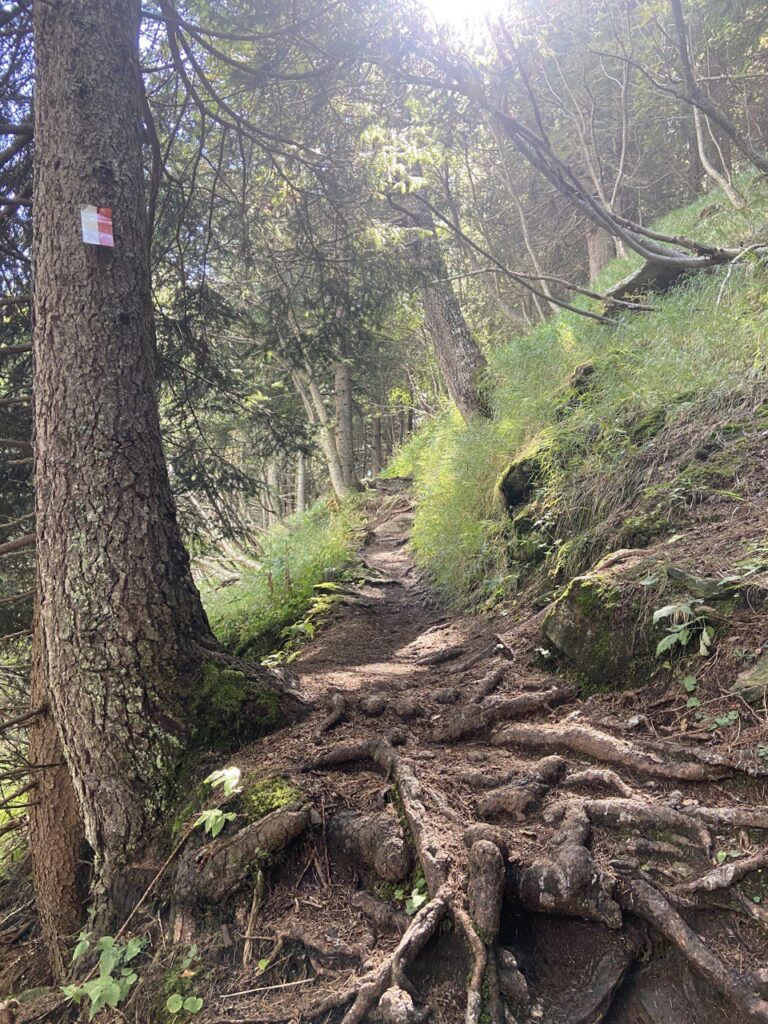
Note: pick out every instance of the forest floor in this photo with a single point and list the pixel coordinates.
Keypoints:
(580, 868)
(461, 836)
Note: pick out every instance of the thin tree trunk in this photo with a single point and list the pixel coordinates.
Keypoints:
(274, 503)
(344, 436)
(301, 482)
(697, 96)
(721, 179)
(314, 406)
(376, 452)
(119, 619)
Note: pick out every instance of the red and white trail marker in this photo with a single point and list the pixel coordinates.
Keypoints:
(96, 222)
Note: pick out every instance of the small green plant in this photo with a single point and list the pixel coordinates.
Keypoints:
(417, 898)
(723, 855)
(725, 721)
(685, 624)
(690, 684)
(176, 1002)
(213, 820)
(115, 976)
(227, 778)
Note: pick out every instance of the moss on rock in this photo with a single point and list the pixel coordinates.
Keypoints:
(601, 626)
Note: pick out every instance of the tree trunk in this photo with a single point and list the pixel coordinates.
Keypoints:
(314, 405)
(301, 482)
(344, 436)
(458, 354)
(119, 619)
(601, 249)
(376, 447)
(274, 503)
(56, 834)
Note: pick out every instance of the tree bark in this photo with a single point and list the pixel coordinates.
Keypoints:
(119, 619)
(458, 354)
(601, 249)
(57, 842)
(376, 447)
(344, 436)
(274, 503)
(314, 405)
(301, 482)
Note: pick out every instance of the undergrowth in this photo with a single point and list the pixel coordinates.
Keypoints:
(704, 340)
(259, 612)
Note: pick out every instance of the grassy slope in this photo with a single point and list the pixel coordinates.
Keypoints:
(705, 337)
(249, 616)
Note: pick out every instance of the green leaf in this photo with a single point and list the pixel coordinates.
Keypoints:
(263, 964)
(666, 612)
(132, 949)
(666, 643)
(193, 1004)
(81, 949)
(693, 702)
(174, 1003)
(721, 856)
(690, 683)
(73, 992)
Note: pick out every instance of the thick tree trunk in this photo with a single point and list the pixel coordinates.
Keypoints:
(56, 834)
(601, 249)
(344, 436)
(458, 354)
(119, 618)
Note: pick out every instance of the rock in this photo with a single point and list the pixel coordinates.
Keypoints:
(707, 588)
(449, 695)
(406, 708)
(396, 1007)
(752, 685)
(373, 706)
(602, 623)
(516, 484)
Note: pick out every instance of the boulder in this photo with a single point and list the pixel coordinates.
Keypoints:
(602, 623)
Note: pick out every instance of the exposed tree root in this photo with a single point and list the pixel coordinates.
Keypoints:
(583, 739)
(642, 900)
(335, 715)
(615, 812)
(754, 816)
(489, 683)
(601, 778)
(520, 798)
(567, 881)
(726, 875)
(221, 867)
(372, 842)
(477, 719)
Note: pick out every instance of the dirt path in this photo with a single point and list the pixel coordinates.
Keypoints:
(560, 866)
